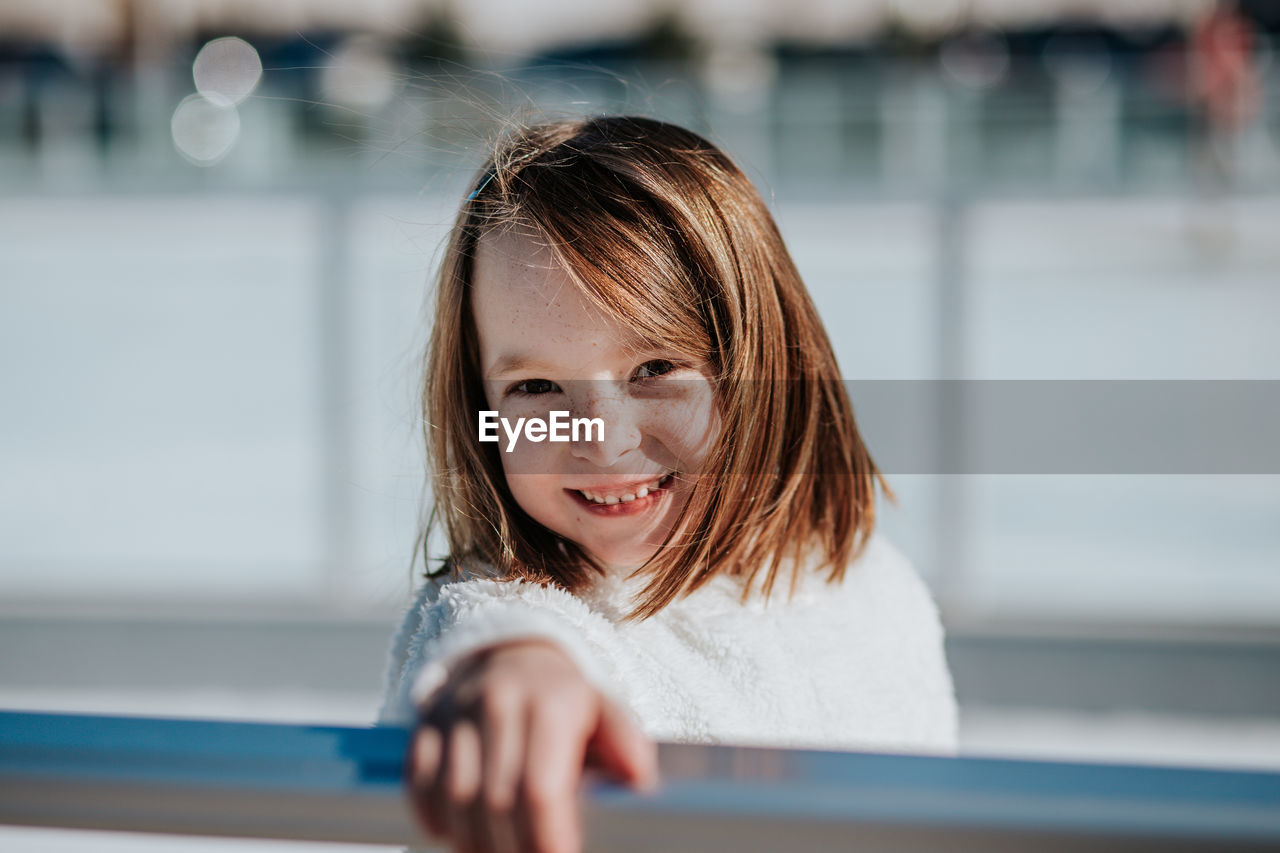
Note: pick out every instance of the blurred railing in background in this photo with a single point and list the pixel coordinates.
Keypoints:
(1065, 112)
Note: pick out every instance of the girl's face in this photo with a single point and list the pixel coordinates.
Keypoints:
(544, 347)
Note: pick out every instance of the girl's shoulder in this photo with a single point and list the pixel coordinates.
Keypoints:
(882, 565)
(881, 575)
(477, 583)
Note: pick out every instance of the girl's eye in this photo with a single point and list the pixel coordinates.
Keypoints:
(657, 367)
(534, 387)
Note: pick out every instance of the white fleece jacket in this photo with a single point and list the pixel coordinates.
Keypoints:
(858, 665)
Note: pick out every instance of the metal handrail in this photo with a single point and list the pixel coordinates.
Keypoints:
(332, 783)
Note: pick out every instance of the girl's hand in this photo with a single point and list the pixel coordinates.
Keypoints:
(495, 763)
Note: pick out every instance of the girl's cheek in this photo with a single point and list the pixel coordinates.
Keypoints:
(529, 459)
(690, 425)
(533, 492)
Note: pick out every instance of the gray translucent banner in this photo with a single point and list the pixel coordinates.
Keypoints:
(1071, 427)
(990, 426)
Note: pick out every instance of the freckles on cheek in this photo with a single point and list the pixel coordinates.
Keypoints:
(514, 463)
(695, 423)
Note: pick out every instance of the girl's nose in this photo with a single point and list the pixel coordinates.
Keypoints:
(619, 416)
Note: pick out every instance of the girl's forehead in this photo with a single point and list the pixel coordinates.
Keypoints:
(519, 274)
(520, 289)
(515, 246)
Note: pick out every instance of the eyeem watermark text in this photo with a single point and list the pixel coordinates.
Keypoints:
(559, 428)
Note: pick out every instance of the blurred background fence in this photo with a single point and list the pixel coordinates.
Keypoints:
(218, 223)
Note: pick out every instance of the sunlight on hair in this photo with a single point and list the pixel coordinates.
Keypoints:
(227, 69)
(204, 130)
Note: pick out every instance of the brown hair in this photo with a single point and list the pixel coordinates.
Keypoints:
(668, 236)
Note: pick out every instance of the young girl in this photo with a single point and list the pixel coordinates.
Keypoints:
(695, 562)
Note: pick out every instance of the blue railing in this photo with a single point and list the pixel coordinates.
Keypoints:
(330, 783)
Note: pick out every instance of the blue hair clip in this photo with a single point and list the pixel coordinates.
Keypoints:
(475, 192)
(494, 171)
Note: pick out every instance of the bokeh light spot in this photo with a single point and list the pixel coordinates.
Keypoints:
(204, 130)
(227, 69)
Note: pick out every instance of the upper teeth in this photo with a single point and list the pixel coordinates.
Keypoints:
(629, 496)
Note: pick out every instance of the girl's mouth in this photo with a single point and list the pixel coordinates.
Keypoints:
(635, 501)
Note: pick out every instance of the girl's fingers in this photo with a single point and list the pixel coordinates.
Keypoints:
(505, 723)
(462, 777)
(498, 771)
(426, 753)
(549, 788)
(619, 747)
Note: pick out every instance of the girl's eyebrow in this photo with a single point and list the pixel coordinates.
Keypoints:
(517, 362)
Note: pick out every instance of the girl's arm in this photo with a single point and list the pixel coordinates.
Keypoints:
(511, 687)
(500, 748)
(450, 622)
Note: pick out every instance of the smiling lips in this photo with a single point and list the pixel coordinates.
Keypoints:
(623, 502)
(603, 496)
